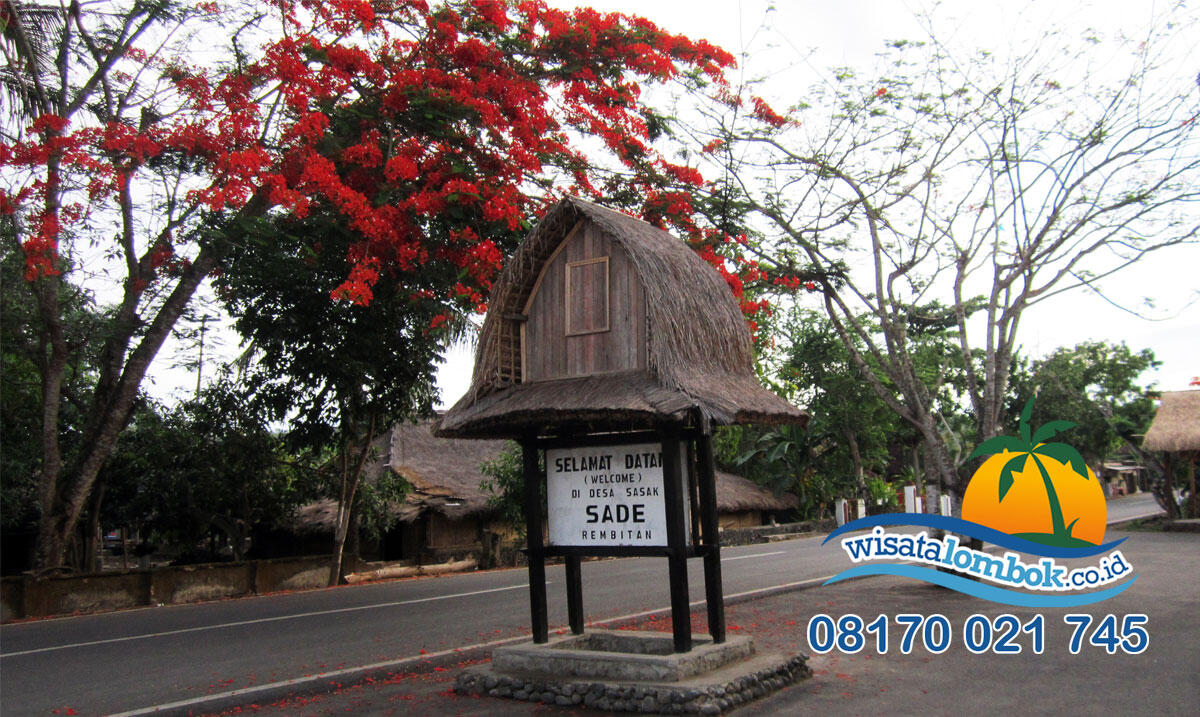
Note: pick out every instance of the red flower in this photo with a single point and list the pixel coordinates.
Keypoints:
(881, 92)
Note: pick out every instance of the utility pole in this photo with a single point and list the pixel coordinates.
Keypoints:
(200, 359)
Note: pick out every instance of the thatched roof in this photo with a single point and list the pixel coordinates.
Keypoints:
(445, 475)
(1176, 426)
(735, 493)
(699, 354)
(444, 472)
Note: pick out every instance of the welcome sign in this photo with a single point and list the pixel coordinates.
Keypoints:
(608, 496)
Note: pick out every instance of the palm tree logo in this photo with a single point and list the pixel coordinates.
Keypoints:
(1032, 445)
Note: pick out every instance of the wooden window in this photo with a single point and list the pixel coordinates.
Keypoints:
(587, 296)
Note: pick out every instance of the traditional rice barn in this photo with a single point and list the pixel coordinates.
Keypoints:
(1176, 431)
(603, 322)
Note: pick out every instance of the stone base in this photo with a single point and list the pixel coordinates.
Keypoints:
(621, 655)
(621, 671)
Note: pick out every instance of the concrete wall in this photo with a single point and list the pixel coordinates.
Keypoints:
(25, 596)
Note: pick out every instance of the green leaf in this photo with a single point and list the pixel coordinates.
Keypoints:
(1023, 424)
(1064, 453)
(1051, 429)
(777, 452)
(997, 444)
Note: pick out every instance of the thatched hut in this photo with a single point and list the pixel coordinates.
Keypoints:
(446, 515)
(742, 503)
(1176, 431)
(601, 321)
(1176, 425)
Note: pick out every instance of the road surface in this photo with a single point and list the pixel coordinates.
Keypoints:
(139, 659)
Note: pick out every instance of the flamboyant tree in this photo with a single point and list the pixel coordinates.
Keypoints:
(148, 137)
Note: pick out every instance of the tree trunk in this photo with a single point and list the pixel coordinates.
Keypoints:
(939, 469)
(342, 529)
(65, 495)
(351, 476)
(860, 480)
(95, 544)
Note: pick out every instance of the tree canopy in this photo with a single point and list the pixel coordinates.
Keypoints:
(1098, 386)
(961, 189)
(160, 133)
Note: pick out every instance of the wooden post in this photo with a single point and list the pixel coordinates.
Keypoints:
(1169, 477)
(574, 594)
(714, 596)
(681, 612)
(1191, 456)
(535, 551)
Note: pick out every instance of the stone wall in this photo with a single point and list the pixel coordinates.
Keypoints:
(763, 533)
(25, 596)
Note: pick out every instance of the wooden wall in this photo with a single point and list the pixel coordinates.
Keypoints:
(441, 532)
(596, 343)
(740, 519)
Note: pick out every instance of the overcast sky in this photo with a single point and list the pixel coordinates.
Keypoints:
(796, 43)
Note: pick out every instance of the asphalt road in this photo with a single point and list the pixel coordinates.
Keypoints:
(139, 659)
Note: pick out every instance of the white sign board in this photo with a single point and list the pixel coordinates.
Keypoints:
(609, 495)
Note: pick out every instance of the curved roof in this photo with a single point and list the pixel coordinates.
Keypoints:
(699, 356)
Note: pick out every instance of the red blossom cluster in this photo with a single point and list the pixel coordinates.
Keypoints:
(424, 125)
(764, 113)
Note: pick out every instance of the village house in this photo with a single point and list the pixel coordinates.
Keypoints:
(1175, 433)
(447, 515)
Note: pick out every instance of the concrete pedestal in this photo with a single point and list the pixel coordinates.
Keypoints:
(626, 671)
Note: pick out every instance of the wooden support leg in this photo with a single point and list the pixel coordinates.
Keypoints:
(714, 596)
(575, 594)
(533, 542)
(681, 611)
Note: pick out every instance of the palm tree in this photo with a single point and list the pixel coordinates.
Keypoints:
(30, 36)
(1032, 444)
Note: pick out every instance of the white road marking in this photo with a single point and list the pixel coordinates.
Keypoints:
(400, 662)
(756, 555)
(262, 620)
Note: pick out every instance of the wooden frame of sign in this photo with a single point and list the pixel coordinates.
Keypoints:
(622, 484)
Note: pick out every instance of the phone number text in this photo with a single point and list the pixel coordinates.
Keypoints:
(1001, 635)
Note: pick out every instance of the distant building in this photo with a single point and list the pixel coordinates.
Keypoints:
(447, 515)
